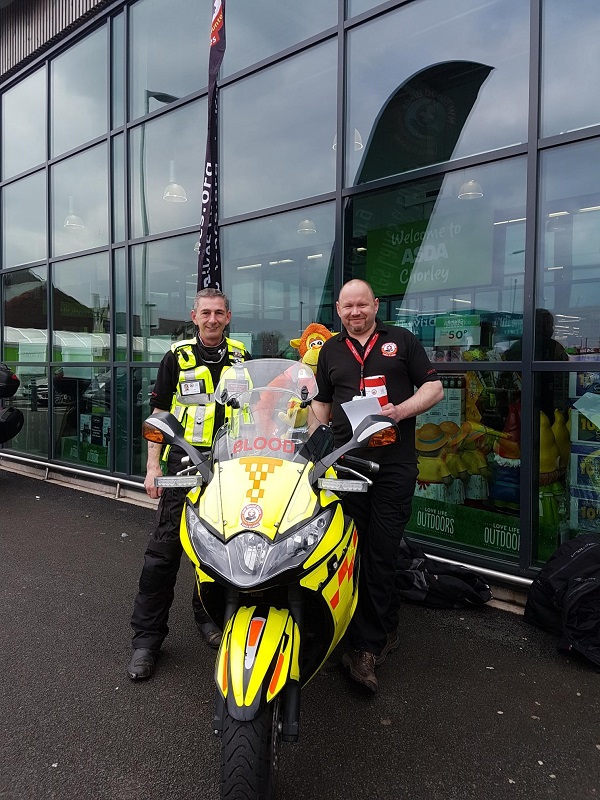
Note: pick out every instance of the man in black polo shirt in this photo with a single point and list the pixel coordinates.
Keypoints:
(364, 349)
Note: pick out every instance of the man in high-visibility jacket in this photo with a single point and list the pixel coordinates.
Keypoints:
(185, 385)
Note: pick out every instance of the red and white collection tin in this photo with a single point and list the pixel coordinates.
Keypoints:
(375, 387)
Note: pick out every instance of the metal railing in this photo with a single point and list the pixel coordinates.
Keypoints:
(93, 476)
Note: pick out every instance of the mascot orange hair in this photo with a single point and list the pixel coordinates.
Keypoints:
(310, 343)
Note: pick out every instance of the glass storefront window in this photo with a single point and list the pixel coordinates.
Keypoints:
(258, 30)
(567, 448)
(568, 277)
(279, 277)
(79, 197)
(278, 129)
(168, 153)
(24, 221)
(25, 315)
(118, 71)
(120, 304)
(570, 58)
(142, 381)
(23, 131)
(79, 93)
(355, 7)
(469, 461)
(82, 421)
(430, 82)
(165, 277)
(168, 50)
(81, 309)
(448, 268)
(121, 436)
(32, 401)
(118, 189)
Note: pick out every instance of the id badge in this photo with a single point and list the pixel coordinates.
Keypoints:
(191, 387)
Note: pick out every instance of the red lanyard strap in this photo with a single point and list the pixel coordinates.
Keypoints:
(361, 361)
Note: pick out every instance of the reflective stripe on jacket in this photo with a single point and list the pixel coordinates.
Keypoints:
(194, 400)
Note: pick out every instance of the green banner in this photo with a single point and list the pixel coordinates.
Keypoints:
(476, 528)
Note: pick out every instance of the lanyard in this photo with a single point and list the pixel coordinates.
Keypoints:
(360, 360)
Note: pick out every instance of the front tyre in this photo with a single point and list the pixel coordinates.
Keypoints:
(250, 755)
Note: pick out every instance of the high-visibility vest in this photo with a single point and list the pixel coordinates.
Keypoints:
(194, 402)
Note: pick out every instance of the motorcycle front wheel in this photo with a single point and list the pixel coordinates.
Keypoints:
(250, 755)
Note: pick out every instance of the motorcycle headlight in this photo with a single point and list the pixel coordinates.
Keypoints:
(248, 558)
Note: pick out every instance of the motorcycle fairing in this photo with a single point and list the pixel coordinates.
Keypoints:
(236, 499)
(336, 579)
(259, 654)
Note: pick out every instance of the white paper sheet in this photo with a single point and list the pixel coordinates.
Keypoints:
(357, 410)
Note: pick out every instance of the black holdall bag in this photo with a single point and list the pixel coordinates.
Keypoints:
(11, 422)
(564, 599)
(435, 584)
(11, 419)
(9, 383)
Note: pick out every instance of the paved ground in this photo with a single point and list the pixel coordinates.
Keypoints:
(476, 706)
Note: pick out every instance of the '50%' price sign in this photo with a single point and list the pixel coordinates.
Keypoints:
(462, 330)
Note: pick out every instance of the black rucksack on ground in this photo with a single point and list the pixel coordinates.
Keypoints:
(564, 599)
(435, 584)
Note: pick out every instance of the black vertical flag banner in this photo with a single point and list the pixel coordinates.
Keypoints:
(209, 256)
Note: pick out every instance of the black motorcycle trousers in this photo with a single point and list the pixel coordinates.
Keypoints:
(381, 516)
(162, 558)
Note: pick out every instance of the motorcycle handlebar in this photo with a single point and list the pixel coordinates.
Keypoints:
(370, 466)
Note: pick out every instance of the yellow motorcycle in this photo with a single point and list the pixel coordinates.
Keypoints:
(276, 558)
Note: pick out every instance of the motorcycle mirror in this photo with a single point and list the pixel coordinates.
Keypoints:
(364, 433)
(151, 433)
(384, 437)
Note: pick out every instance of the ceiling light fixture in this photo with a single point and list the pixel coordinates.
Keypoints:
(73, 221)
(307, 226)
(174, 192)
(471, 190)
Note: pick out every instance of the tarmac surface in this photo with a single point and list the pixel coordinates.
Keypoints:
(476, 704)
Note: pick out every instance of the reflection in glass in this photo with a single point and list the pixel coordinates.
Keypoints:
(170, 146)
(118, 71)
(118, 189)
(450, 270)
(80, 202)
(469, 460)
(25, 315)
(284, 152)
(165, 276)
(82, 423)
(570, 58)
(279, 278)
(23, 131)
(78, 109)
(166, 51)
(33, 437)
(568, 276)
(81, 309)
(142, 381)
(258, 30)
(567, 447)
(355, 7)
(24, 221)
(424, 103)
(120, 304)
